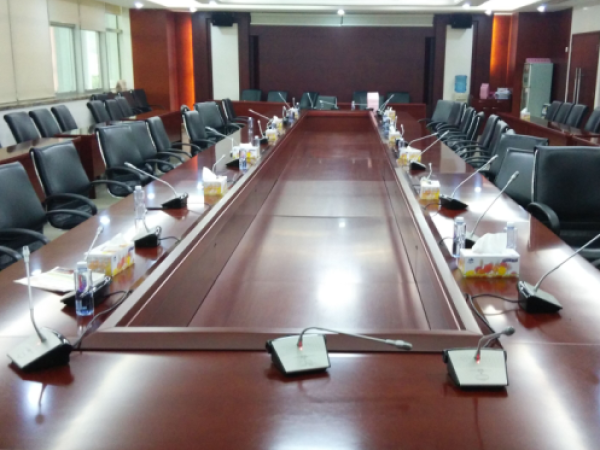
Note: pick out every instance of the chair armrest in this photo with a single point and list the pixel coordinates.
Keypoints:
(12, 254)
(178, 152)
(425, 119)
(208, 141)
(11, 232)
(160, 161)
(240, 118)
(171, 155)
(181, 144)
(67, 196)
(235, 125)
(71, 212)
(112, 183)
(546, 214)
(117, 170)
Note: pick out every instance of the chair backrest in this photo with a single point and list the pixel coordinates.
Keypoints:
(466, 120)
(118, 146)
(251, 95)
(194, 125)
(140, 97)
(500, 128)
(520, 160)
(309, 100)
(275, 96)
(45, 122)
(443, 110)
(593, 123)
(142, 137)
(474, 126)
(124, 106)
(159, 134)
(327, 103)
(563, 113)
(563, 179)
(552, 110)
(398, 97)
(209, 111)
(21, 126)
(98, 111)
(228, 107)
(19, 203)
(576, 115)
(114, 110)
(100, 97)
(64, 118)
(131, 101)
(456, 113)
(511, 140)
(360, 99)
(60, 170)
(488, 131)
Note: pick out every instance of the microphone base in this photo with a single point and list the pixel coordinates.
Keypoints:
(535, 302)
(415, 165)
(452, 203)
(148, 239)
(470, 241)
(176, 203)
(291, 360)
(34, 354)
(489, 372)
(264, 140)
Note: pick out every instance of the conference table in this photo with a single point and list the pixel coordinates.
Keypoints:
(326, 229)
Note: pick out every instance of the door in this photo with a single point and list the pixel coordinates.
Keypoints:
(584, 66)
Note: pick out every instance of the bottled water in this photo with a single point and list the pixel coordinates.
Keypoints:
(460, 235)
(84, 298)
(511, 236)
(243, 165)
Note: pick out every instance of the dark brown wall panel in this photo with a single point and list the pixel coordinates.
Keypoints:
(482, 47)
(202, 59)
(340, 60)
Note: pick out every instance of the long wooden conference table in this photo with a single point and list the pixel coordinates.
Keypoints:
(326, 230)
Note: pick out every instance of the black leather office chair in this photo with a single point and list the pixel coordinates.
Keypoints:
(454, 117)
(142, 100)
(114, 110)
(398, 97)
(463, 125)
(194, 126)
(576, 115)
(21, 126)
(230, 111)
(478, 156)
(23, 217)
(45, 123)
(151, 155)
(275, 96)
(211, 116)
(520, 160)
(593, 123)
(360, 99)
(564, 195)
(64, 118)
(309, 100)
(327, 103)
(552, 110)
(469, 135)
(251, 95)
(118, 146)
(484, 140)
(126, 109)
(100, 97)
(128, 95)
(163, 143)
(442, 113)
(65, 183)
(98, 111)
(563, 113)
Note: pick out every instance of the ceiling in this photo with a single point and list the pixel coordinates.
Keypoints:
(358, 6)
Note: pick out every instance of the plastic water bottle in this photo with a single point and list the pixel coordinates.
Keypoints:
(256, 141)
(84, 297)
(353, 106)
(243, 165)
(511, 236)
(250, 128)
(460, 235)
(139, 206)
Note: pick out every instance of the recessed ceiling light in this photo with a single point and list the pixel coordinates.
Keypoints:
(212, 3)
(466, 5)
(192, 9)
(341, 12)
(489, 12)
(542, 7)
(139, 5)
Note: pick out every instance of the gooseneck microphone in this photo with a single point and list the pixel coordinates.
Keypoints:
(214, 167)
(212, 130)
(260, 115)
(485, 340)
(283, 98)
(399, 344)
(454, 204)
(421, 138)
(416, 165)
(533, 299)
(312, 104)
(472, 238)
(47, 348)
(382, 107)
(323, 102)
(98, 233)
(180, 200)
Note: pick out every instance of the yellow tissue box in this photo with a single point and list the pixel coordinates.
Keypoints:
(272, 135)
(216, 187)
(408, 154)
(480, 265)
(430, 189)
(111, 257)
(393, 136)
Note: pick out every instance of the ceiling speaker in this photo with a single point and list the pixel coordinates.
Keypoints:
(222, 19)
(462, 21)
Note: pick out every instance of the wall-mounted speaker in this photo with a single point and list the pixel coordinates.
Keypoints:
(462, 21)
(222, 19)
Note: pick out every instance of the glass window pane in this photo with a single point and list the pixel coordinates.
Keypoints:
(63, 59)
(112, 53)
(111, 21)
(90, 47)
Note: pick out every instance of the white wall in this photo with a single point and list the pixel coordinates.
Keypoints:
(225, 62)
(585, 20)
(459, 52)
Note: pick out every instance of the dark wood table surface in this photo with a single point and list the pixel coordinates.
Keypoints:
(190, 399)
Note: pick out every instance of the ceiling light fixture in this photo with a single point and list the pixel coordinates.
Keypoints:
(466, 5)
(542, 8)
(489, 12)
(139, 5)
(193, 10)
(341, 12)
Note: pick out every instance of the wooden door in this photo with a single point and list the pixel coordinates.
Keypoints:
(584, 66)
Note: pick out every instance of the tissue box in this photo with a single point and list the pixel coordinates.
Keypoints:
(391, 114)
(278, 123)
(408, 154)
(430, 189)
(394, 134)
(216, 187)
(482, 265)
(272, 135)
(111, 257)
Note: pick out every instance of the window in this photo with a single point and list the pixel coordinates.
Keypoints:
(90, 50)
(63, 59)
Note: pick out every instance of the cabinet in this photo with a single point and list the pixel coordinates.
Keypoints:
(491, 105)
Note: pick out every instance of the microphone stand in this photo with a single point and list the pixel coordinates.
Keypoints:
(454, 204)
(180, 200)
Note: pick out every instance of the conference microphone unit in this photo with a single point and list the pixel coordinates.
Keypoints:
(416, 165)
(534, 300)
(483, 367)
(421, 139)
(312, 104)
(323, 102)
(454, 204)
(48, 348)
(298, 354)
(472, 238)
(382, 107)
(283, 98)
(180, 200)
